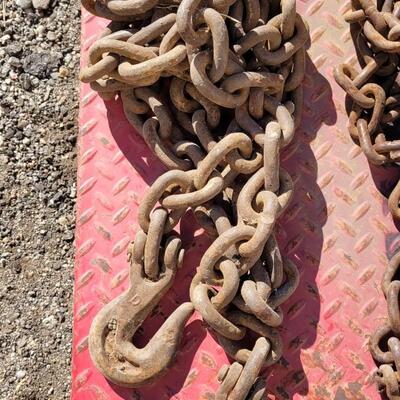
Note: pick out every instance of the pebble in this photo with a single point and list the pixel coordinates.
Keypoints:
(42, 64)
(40, 30)
(41, 4)
(14, 62)
(13, 49)
(26, 81)
(14, 76)
(23, 123)
(63, 72)
(69, 236)
(4, 39)
(20, 374)
(49, 322)
(3, 159)
(24, 3)
(57, 266)
(51, 36)
(63, 220)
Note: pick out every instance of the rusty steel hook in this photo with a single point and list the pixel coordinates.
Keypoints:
(110, 339)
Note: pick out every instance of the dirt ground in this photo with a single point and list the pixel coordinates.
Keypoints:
(39, 57)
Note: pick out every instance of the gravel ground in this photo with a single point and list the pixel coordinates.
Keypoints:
(39, 57)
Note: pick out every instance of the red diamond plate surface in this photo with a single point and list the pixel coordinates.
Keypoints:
(338, 231)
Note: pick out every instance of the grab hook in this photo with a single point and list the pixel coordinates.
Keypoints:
(111, 334)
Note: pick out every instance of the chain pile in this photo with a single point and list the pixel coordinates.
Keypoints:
(214, 88)
(374, 96)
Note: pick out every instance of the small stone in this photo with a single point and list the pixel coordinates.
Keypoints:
(3, 159)
(72, 192)
(13, 49)
(40, 30)
(35, 82)
(56, 266)
(57, 198)
(63, 220)
(42, 64)
(68, 236)
(50, 322)
(20, 374)
(25, 80)
(22, 123)
(4, 39)
(21, 343)
(14, 62)
(51, 36)
(24, 4)
(41, 4)
(5, 70)
(13, 75)
(63, 72)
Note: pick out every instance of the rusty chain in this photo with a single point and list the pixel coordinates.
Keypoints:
(373, 95)
(214, 89)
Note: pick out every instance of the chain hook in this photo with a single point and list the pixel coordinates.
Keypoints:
(111, 335)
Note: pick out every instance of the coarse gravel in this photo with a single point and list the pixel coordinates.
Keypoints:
(39, 58)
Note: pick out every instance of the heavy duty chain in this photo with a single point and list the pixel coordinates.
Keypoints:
(214, 88)
(373, 95)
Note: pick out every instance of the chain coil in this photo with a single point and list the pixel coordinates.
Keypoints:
(214, 89)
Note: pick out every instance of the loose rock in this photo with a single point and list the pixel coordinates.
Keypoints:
(42, 64)
(24, 4)
(41, 4)
(13, 49)
(50, 322)
(20, 374)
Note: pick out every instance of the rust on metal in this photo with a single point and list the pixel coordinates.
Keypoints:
(374, 105)
(214, 89)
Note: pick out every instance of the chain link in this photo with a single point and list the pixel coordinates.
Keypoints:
(214, 89)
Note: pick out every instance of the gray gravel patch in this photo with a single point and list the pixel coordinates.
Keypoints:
(39, 58)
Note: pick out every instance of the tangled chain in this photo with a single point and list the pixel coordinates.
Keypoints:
(214, 88)
(374, 94)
